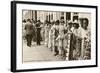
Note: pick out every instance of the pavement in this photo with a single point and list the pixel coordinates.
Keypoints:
(38, 53)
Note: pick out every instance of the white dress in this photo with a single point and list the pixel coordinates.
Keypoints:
(50, 38)
(60, 39)
(86, 44)
(46, 35)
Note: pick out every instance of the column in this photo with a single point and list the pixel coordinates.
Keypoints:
(71, 16)
(35, 15)
(54, 16)
(65, 17)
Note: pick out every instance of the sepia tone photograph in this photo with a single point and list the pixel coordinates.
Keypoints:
(55, 36)
(48, 36)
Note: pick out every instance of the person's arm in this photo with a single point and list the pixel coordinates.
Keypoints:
(25, 27)
(57, 38)
(32, 27)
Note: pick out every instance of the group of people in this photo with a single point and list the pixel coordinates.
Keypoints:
(70, 40)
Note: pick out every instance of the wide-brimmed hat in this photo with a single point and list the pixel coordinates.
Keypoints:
(62, 21)
(57, 21)
(69, 21)
(38, 20)
(75, 22)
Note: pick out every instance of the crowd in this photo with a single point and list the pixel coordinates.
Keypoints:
(70, 40)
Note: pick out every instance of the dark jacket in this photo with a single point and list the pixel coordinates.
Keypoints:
(29, 29)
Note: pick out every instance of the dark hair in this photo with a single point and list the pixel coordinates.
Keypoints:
(76, 25)
(28, 20)
(52, 22)
(70, 23)
(62, 18)
(38, 20)
(87, 21)
(57, 22)
(24, 21)
(62, 21)
(45, 21)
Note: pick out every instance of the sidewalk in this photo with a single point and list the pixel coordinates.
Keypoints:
(38, 53)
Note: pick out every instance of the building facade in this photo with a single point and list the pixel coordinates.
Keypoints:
(54, 15)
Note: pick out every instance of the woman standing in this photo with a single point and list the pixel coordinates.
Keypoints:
(76, 42)
(46, 31)
(50, 44)
(60, 38)
(69, 42)
(86, 40)
(55, 33)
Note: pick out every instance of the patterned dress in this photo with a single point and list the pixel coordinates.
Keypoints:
(47, 28)
(50, 43)
(68, 45)
(60, 39)
(86, 44)
(77, 44)
(54, 36)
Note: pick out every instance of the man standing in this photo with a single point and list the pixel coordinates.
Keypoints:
(38, 34)
(29, 32)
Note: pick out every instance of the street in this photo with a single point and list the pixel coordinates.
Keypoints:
(38, 53)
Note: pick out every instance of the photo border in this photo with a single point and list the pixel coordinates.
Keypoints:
(13, 35)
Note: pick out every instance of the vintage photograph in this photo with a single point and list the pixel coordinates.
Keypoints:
(55, 36)
(48, 36)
